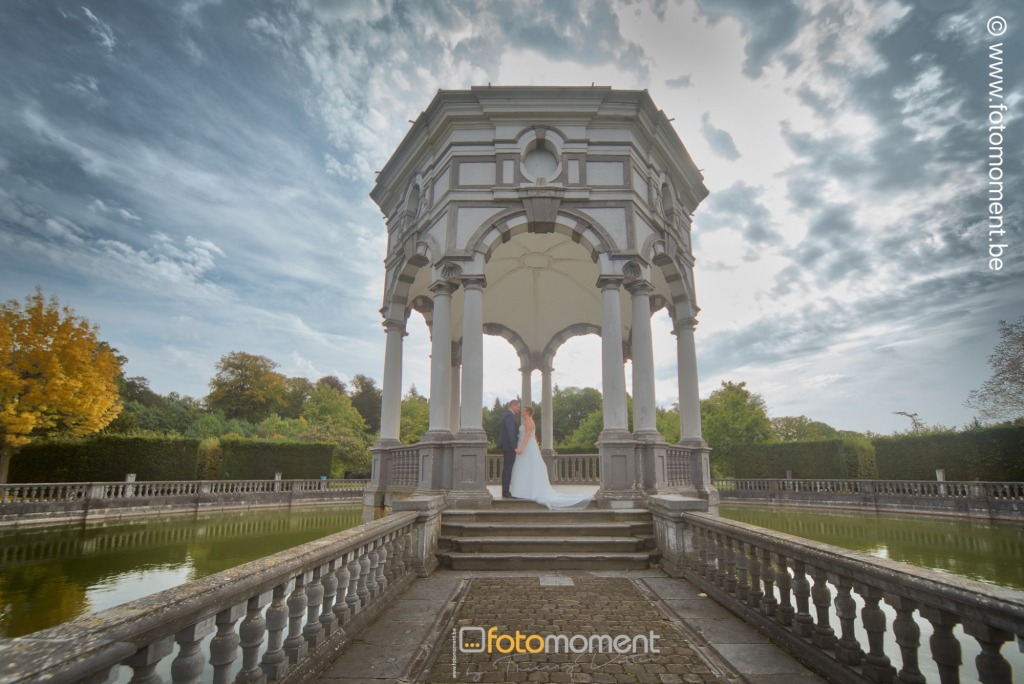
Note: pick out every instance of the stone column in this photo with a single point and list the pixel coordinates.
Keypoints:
(473, 353)
(441, 359)
(526, 393)
(547, 428)
(644, 402)
(391, 385)
(689, 394)
(454, 407)
(613, 375)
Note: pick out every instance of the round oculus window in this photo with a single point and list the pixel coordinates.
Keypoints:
(540, 163)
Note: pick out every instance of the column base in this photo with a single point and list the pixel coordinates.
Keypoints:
(626, 499)
(437, 435)
(702, 471)
(468, 484)
(621, 476)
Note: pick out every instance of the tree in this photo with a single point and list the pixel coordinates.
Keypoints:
(588, 431)
(734, 415)
(801, 429)
(916, 424)
(333, 381)
(492, 419)
(667, 421)
(299, 390)
(415, 416)
(569, 407)
(331, 417)
(366, 398)
(56, 376)
(247, 387)
(1001, 397)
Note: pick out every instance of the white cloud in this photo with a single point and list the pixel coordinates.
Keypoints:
(101, 30)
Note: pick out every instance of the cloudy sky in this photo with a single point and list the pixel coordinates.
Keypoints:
(193, 177)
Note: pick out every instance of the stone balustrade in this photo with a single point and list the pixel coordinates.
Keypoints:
(28, 503)
(990, 500)
(565, 469)
(285, 615)
(833, 608)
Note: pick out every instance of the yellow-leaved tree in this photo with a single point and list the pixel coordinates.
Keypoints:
(56, 376)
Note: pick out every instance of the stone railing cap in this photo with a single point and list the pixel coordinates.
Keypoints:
(419, 503)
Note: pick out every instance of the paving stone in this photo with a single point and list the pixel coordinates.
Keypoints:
(583, 603)
(590, 606)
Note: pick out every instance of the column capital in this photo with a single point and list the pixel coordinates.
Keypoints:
(610, 282)
(688, 323)
(473, 282)
(394, 324)
(639, 287)
(443, 287)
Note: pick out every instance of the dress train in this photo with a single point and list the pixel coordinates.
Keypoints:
(530, 480)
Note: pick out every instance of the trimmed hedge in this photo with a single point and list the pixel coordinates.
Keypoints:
(258, 459)
(106, 458)
(993, 454)
(839, 458)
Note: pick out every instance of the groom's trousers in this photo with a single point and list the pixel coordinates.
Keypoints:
(506, 472)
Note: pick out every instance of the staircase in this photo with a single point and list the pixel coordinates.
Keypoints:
(522, 535)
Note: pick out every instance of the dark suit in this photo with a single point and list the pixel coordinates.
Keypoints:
(508, 438)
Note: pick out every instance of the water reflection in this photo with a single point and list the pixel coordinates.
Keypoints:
(989, 552)
(50, 575)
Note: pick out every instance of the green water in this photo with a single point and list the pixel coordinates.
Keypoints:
(53, 574)
(988, 552)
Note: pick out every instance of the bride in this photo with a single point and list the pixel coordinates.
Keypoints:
(530, 474)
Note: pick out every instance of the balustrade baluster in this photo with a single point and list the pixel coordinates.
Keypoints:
(363, 590)
(876, 665)
(755, 594)
(251, 633)
(710, 564)
(145, 660)
(313, 632)
(848, 649)
(295, 646)
(741, 583)
(803, 623)
(908, 636)
(224, 645)
(329, 580)
(768, 600)
(944, 645)
(371, 577)
(720, 570)
(341, 605)
(187, 667)
(824, 636)
(703, 554)
(275, 660)
(993, 668)
(352, 598)
(400, 552)
(382, 565)
(730, 565)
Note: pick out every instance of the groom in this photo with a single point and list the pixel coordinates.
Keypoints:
(508, 438)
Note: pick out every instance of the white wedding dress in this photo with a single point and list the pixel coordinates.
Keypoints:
(530, 479)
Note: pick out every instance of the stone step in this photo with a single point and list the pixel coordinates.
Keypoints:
(547, 561)
(544, 516)
(530, 529)
(520, 545)
(525, 505)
